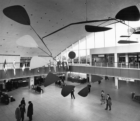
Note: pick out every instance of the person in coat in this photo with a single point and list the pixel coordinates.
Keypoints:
(102, 97)
(22, 110)
(108, 102)
(30, 111)
(89, 87)
(18, 113)
(23, 101)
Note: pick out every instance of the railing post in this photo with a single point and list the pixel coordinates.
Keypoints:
(138, 65)
(121, 65)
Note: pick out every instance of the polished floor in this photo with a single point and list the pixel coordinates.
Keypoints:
(51, 106)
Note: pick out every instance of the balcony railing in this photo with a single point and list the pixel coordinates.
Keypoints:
(19, 65)
(104, 64)
(15, 65)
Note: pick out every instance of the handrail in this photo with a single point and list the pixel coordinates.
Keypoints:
(113, 64)
(9, 65)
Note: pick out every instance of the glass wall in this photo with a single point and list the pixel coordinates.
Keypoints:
(108, 38)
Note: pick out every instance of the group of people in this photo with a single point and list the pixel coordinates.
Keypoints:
(5, 98)
(10, 85)
(21, 110)
(37, 88)
(106, 99)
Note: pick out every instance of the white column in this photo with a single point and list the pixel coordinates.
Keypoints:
(126, 59)
(78, 51)
(86, 48)
(90, 59)
(115, 59)
(116, 82)
(90, 78)
(31, 82)
(66, 76)
(89, 75)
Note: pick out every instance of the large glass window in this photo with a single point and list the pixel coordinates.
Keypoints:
(82, 44)
(82, 54)
(99, 39)
(75, 46)
(90, 41)
(104, 39)
(110, 36)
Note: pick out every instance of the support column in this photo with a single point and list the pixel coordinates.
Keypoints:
(86, 48)
(115, 60)
(116, 82)
(66, 76)
(79, 51)
(126, 59)
(30, 82)
(89, 78)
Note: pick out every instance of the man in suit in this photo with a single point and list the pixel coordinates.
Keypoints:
(30, 111)
(22, 110)
(23, 101)
(89, 86)
(18, 113)
(108, 102)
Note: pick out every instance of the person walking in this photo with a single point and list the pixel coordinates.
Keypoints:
(23, 101)
(30, 111)
(72, 94)
(108, 102)
(22, 110)
(18, 113)
(89, 87)
(102, 97)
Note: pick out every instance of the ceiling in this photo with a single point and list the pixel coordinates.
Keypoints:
(47, 16)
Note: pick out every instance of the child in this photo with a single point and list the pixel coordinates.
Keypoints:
(102, 97)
